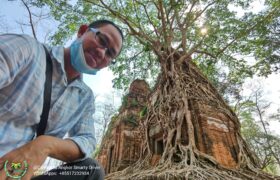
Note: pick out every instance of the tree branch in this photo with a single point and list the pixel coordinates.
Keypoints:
(151, 22)
(164, 30)
(30, 19)
(206, 53)
(140, 35)
(191, 51)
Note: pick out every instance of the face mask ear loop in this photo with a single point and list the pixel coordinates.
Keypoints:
(94, 30)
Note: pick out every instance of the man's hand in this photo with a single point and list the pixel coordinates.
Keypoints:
(34, 153)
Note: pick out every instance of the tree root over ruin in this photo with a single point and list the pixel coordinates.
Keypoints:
(198, 171)
(169, 108)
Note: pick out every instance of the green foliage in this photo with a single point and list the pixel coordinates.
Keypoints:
(152, 28)
(275, 116)
(114, 118)
(143, 112)
(134, 102)
(267, 48)
(70, 16)
(131, 119)
(135, 62)
(96, 152)
(264, 144)
(111, 125)
(125, 101)
(258, 142)
(271, 168)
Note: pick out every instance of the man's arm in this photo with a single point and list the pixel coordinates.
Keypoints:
(63, 149)
(35, 153)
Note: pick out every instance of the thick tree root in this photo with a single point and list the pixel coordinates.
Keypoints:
(198, 171)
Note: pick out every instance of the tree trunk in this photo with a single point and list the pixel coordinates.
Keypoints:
(193, 131)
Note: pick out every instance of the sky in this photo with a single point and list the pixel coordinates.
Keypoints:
(12, 13)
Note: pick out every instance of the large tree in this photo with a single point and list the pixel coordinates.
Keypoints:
(175, 40)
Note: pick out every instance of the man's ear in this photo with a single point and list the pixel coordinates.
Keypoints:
(83, 28)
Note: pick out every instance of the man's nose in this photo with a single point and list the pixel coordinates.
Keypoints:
(102, 54)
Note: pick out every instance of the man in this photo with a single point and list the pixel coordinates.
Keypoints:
(22, 78)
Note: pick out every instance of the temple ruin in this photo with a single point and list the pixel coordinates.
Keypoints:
(121, 147)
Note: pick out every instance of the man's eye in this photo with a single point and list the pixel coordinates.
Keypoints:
(110, 53)
(103, 41)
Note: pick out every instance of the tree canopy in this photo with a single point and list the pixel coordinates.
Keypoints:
(225, 38)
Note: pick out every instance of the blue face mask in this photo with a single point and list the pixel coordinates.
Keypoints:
(78, 60)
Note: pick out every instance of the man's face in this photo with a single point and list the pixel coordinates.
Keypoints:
(95, 54)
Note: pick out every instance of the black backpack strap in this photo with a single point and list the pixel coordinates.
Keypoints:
(47, 96)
